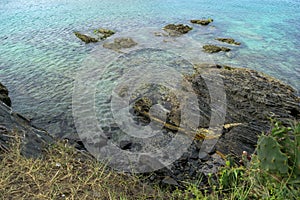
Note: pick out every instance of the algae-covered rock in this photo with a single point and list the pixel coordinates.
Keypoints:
(177, 29)
(85, 38)
(120, 43)
(214, 49)
(228, 40)
(105, 33)
(4, 95)
(203, 22)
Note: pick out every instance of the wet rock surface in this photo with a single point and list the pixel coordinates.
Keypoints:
(228, 40)
(13, 125)
(4, 95)
(214, 49)
(177, 29)
(203, 22)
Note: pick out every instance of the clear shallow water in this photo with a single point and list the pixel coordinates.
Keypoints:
(40, 55)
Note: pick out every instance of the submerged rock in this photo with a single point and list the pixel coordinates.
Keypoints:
(177, 29)
(214, 49)
(228, 40)
(120, 43)
(203, 22)
(85, 38)
(4, 95)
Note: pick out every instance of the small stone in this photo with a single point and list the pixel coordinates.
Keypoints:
(169, 181)
(58, 165)
(125, 145)
(195, 155)
(152, 177)
(203, 156)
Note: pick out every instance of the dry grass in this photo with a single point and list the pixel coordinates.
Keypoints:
(64, 173)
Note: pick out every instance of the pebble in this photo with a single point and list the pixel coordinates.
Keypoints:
(203, 156)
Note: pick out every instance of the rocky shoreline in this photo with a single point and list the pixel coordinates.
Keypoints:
(252, 98)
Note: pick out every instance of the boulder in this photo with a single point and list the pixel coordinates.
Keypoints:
(177, 29)
(4, 95)
(214, 49)
(228, 40)
(85, 38)
(202, 22)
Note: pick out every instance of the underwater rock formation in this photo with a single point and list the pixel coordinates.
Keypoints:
(120, 43)
(177, 29)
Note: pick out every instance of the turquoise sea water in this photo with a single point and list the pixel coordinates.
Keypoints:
(40, 56)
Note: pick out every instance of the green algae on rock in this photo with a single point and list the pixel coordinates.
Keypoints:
(214, 49)
(85, 38)
(177, 29)
(228, 40)
(202, 22)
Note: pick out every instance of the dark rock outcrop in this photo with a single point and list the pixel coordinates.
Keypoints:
(120, 43)
(14, 125)
(4, 95)
(214, 49)
(228, 40)
(177, 29)
(251, 99)
(203, 22)
(85, 38)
